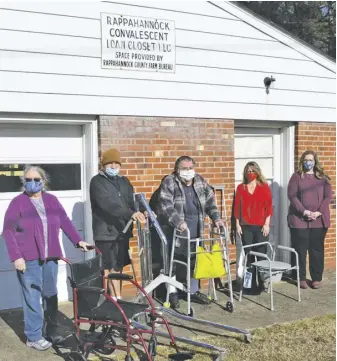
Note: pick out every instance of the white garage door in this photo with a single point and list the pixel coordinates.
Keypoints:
(59, 150)
(262, 146)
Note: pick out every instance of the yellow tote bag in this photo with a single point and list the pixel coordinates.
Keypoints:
(209, 264)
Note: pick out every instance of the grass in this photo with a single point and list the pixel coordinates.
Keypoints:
(305, 340)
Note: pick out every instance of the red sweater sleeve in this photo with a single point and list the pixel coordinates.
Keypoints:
(237, 203)
(269, 201)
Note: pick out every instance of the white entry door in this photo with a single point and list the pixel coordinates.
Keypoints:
(59, 150)
(264, 147)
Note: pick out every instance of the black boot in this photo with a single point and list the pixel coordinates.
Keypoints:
(50, 305)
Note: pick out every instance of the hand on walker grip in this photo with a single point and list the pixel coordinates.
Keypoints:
(138, 216)
(182, 227)
(219, 223)
(84, 246)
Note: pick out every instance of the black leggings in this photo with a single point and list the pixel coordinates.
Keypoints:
(252, 235)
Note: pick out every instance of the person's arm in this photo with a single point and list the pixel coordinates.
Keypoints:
(130, 198)
(237, 208)
(9, 231)
(327, 197)
(211, 208)
(268, 205)
(103, 200)
(67, 226)
(166, 203)
(292, 194)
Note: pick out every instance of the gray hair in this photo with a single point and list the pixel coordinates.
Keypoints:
(181, 159)
(44, 176)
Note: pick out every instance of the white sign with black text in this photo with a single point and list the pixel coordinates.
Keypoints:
(136, 43)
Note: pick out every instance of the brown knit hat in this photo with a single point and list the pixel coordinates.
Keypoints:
(110, 156)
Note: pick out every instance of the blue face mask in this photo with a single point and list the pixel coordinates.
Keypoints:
(308, 164)
(33, 187)
(112, 172)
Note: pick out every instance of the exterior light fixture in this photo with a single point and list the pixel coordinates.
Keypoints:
(267, 82)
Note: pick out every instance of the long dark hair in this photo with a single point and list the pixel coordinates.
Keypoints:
(318, 169)
(260, 178)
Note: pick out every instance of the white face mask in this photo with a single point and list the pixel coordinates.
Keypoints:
(187, 174)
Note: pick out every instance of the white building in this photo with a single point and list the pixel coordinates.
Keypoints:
(54, 87)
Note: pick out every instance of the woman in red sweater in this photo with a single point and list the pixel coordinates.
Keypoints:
(253, 208)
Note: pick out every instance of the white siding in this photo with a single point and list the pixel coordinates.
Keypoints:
(50, 62)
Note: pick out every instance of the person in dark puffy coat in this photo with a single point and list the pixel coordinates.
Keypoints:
(112, 205)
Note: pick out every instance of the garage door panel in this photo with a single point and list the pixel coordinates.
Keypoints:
(74, 207)
(9, 282)
(28, 143)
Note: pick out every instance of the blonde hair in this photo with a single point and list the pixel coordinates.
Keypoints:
(44, 176)
(318, 169)
(260, 178)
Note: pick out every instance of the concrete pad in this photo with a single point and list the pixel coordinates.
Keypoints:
(251, 313)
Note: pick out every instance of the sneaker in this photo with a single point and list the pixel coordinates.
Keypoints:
(39, 345)
(174, 301)
(200, 298)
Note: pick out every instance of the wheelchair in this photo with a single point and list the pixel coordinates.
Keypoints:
(93, 305)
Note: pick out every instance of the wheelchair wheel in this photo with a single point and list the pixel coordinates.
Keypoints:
(128, 358)
(75, 356)
(153, 347)
(99, 347)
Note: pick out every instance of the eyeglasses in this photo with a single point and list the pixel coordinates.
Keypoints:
(33, 179)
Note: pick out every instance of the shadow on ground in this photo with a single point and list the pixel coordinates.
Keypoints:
(251, 313)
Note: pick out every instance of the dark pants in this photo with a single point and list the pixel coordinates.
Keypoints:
(312, 240)
(252, 235)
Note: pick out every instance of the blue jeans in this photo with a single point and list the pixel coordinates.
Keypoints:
(39, 280)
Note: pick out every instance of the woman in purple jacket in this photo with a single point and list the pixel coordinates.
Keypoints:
(31, 232)
(310, 193)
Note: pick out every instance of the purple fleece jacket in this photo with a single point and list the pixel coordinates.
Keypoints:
(23, 229)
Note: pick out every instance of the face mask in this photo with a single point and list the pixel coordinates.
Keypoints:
(33, 187)
(112, 172)
(251, 176)
(308, 164)
(187, 174)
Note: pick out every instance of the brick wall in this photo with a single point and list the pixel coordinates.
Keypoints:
(150, 146)
(321, 137)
